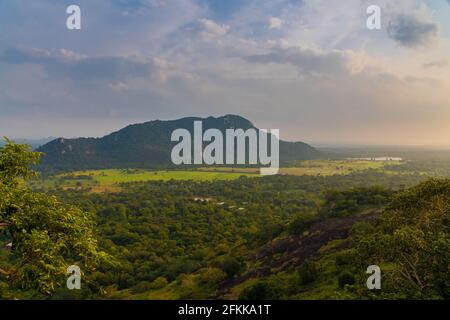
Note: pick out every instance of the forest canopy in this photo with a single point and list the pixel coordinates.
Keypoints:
(46, 236)
(278, 237)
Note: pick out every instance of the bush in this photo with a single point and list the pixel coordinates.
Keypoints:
(141, 287)
(212, 276)
(346, 279)
(182, 266)
(232, 267)
(308, 273)
(301, 224)
(361, 229)
(344, 259)
(260, 291)
(159, 283)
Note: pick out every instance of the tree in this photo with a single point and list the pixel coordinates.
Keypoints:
(302, 223)
(262, 290)
(47, 236)
(346, 279)
(308, 272)
(413, 237)
(232, 267)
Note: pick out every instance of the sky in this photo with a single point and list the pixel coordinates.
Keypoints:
(310, 68)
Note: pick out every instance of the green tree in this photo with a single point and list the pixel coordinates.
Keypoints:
(302, 223)
(262, 290)
(346, 279)
(232, 267)
(413, 237)
(308, 272)
(47, 236)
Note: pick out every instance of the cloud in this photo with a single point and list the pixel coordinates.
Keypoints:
(436, 64)
(79, 67)
(413, 32)
(115, 27)
(137, 7)
(310, 61)
(275, 23)
(210, 29)
(136, 60)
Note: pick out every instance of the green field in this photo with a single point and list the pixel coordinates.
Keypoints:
(316, 167)
(336, 167)
(109, 180)
(123, 176)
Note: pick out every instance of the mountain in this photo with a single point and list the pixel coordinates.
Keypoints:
(34, 143)
(145, 145)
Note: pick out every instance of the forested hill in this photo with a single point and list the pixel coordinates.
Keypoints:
(145, 145)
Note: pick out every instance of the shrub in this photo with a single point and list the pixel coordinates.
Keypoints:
(212, 276)
(141, 287)
(260, 291)
(346, 279)
(301, 223)
(344, 259)
(308, 273)
(159, 283)
(232, 267)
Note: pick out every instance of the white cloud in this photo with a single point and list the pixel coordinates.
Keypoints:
(325, 75)
(275, 23)
(436, 64)
(211, 29)
(310, 61)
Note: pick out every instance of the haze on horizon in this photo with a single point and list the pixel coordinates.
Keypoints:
(310, 68)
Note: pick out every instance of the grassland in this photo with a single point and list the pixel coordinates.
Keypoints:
(316, 167)
(124, 176)
(109, 180)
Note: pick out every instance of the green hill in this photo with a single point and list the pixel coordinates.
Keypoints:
(145, 145)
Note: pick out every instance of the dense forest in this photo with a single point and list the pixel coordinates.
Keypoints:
(278, 237)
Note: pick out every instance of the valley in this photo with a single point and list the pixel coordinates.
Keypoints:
(110, 179)
(228, 233)
(219, 232)
(222, 151)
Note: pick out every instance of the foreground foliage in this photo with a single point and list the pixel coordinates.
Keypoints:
(413, 237)
(45, 235)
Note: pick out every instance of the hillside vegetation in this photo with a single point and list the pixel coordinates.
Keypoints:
(146, 145)
(277, 237)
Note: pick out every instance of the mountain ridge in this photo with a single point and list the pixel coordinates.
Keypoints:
(145, 145)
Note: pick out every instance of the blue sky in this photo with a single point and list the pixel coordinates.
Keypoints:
(308, 67)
